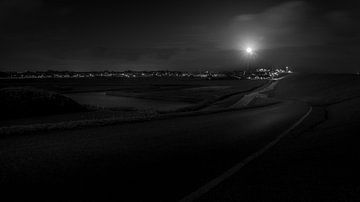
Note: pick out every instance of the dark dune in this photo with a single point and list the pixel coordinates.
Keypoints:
(19, 102)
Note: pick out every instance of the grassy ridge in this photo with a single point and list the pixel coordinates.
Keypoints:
(18, 102)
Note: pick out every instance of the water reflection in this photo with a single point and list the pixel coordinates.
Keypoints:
(101, 99)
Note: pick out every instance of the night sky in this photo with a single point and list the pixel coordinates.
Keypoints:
(309, 36)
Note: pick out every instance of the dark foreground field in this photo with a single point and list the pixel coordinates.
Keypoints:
(165, 160)
(319, 161)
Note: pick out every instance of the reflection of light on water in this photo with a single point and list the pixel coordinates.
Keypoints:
(101, 99)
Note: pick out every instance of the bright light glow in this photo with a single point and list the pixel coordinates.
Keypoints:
(249, 50)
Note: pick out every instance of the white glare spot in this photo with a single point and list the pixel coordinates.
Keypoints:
(249, 50)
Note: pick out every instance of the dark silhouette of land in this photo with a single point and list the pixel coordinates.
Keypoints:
(166, 159)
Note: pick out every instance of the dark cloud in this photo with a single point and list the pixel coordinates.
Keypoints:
(294, 23)
(10, 6)
(14, 10)
(125, 54)
(298, 33)
(181, 35)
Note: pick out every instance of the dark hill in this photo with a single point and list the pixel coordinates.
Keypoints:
(19, 102)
